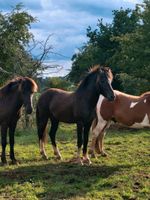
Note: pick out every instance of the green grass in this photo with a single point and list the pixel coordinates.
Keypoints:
(125, 174)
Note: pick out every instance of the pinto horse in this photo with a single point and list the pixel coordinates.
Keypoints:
(73, 107)
(132, 111)
(13, 95)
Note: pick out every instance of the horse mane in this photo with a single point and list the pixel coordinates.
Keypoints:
(83, 83)
(117, 92)
(107, 70)
(93, 70)
(10, 85)
(130, 95)
(145, 94)
(33, 83)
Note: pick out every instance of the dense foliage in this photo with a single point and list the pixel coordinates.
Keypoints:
(55, 82)
(123, 45)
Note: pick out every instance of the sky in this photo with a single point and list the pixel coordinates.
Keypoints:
(66, 21)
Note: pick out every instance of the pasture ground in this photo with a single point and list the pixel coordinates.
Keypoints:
(125, 174)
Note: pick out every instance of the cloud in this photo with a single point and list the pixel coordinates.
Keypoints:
(67, 21)
(68, 31)
(133, 1)
(62, 69)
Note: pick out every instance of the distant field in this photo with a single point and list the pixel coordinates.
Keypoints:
(125, 174)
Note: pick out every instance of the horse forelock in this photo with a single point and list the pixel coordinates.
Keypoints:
(106, 70)
(17, 81)
(95, 68)
(34, 87)
(109, 73)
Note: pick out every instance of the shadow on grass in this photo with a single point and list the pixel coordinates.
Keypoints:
(125, 132)
(61, 180)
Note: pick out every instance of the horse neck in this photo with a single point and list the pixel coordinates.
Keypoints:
(13, 98)
(88, 94)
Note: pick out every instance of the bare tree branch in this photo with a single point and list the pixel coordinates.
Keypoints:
(45, 48)
(57, 68)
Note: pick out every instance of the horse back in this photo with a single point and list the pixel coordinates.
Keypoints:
(127, 109)
(57, 103)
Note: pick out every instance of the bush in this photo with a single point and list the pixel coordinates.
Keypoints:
(133, 85)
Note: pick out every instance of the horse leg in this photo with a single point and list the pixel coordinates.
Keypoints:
(4, 143)
(96, 131)
(86, 159)
(99, 141)
(79, 139)
(94, 137)
(99, 144)
(42, 136)
(79, 144)
(12, 128)
(52, 134)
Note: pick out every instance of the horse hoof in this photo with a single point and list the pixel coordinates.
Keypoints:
(14, 162)
(4, 163)
(104, 154)
(58, 157)
(93, 155)
(97, 150)
(45, 157)
(76, 160)
(90, 151)
(86, 161)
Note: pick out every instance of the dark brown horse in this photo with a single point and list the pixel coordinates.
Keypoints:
(133, 111)
(13, 95)
(73, 107)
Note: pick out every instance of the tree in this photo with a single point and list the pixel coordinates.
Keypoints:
(102, 44)
(14, 36)
(134, 54)
(55, 82)
(17, 44)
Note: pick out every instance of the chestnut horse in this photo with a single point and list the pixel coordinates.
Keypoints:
(13, 95)
(133, 111)
(73, 107)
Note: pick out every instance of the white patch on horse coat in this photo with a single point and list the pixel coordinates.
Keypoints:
(144, 123)
(42, 149)
(101, 122)
(110, 81)
(133, 104)
(144, 100)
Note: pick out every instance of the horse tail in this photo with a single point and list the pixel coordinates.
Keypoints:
(41, 121)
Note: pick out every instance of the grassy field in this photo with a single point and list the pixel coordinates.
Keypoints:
(124, 174)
